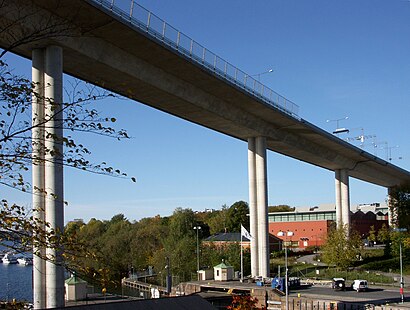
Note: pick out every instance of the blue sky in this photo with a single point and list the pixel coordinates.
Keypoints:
(332, 58)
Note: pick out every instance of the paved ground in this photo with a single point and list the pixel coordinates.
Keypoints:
(375, 295)
(309, 259)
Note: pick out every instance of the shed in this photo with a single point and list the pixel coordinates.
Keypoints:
(75, 289)
(205, 274)
(223, 272)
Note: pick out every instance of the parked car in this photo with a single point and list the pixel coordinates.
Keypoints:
(339, 284)
(360, 285)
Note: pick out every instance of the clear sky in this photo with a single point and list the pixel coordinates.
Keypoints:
(332, 58)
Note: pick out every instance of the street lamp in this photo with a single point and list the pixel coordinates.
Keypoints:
(262, 73)
(197, 228)
(286, 234)
(339, 129)
(401, 265)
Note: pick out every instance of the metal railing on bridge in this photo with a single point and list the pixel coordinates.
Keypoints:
(162, 32)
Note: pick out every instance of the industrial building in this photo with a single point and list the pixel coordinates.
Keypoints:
(311, 225)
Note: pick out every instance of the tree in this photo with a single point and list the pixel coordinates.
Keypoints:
(217, 220)
(281, 208)
(339, 249)
(180, 244)
(397, 238)
(115, 246)
(237, 216)
(399, 206)
(372, 235)
(146, 240)
(244, 302)
(383, 236)
(109, 245)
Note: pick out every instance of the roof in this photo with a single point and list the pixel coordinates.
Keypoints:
(171, 303)
(74, 280)
(223, 266)
(232, 237)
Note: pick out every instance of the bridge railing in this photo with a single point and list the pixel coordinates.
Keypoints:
(164, 33)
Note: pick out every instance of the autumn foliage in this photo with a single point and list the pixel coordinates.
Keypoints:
(244, 302)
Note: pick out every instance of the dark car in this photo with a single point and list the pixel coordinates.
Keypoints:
(339, 284)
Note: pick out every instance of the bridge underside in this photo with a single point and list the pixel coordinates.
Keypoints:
(107, 52)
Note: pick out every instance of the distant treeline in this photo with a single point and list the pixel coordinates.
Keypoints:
(123, 245)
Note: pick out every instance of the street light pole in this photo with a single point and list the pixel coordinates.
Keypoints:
(287, 234)
(401, 276)
(401, 264)
(197, 228)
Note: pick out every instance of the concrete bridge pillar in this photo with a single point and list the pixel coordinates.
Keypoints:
(258, 206)
(48, 198)
(338, 198)
(342, 197)
(345, 195)
(39, 283)
(253, 211)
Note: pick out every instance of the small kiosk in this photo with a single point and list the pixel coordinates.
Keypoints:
(75, 289)
(223, 272)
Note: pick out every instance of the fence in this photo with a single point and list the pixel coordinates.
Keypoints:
(157, 29)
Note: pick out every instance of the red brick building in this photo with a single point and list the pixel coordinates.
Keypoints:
(311, 226)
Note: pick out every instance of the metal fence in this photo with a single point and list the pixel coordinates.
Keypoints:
(162, 32)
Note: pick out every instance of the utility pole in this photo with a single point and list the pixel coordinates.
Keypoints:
(169, 277)
(197, 228)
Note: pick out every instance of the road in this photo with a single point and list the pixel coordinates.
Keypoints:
(375, 295)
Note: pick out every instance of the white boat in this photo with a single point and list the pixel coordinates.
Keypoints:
(26, 261)
(9, 258)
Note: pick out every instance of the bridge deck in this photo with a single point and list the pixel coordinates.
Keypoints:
(109, 51)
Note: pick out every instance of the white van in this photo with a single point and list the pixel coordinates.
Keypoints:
(360, 285)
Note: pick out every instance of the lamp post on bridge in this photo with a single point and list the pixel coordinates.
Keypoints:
(254, 81)
(338, 129)
(262, 73)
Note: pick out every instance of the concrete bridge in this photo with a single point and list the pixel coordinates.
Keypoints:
(136, 54)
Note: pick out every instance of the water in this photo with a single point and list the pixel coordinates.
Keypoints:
(15, 279)
(16, 282)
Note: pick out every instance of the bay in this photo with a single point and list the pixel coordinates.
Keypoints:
(15, 279)
(16, 282)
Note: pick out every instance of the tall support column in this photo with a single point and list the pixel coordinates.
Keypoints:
(54, 205)
(345, 196)
(262, 202)
(39, 265)
(253, 213)
(338, 198)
